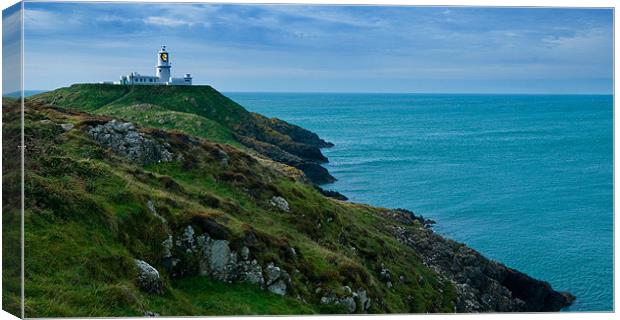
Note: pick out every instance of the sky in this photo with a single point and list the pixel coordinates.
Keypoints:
(306, 48)
(11, 49)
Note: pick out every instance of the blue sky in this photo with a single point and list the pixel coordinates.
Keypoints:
(325, 48)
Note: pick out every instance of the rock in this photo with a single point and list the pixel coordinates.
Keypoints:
(150, 314)
(280, 203)
(407, 217)
(67, 126)
(151, 207)
(482, 285)
(250, 272)
(167, 247)
(276, 279)
(148, 278)
(332, 194)
(245, 253)
(219, 257)
(187, 240)
(349, 304)
(347, 301)
(363, 299)
(217, 260)
(212, 227)
(315, 172)
(125, 140)
(384, 274)
(221, 156)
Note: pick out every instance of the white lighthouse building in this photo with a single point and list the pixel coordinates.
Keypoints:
(162, 76)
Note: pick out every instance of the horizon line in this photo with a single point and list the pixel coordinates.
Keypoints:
(367, 92)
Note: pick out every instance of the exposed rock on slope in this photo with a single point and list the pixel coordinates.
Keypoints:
(481, 284)
(123, 138)
(192, 253)
(148, 277)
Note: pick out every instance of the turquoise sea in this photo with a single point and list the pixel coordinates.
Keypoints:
(525, 179)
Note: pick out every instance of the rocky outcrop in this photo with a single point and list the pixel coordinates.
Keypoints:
(297, 133)
(351, 302)
(205, 255)
(279, 203)
(148, 278)
(67, 126)
(482, 285)
(127, 141)
(407, 217)
(311, 168)
(277, 280)
(332, 194)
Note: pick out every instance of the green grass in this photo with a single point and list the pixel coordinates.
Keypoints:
(196, 110)
(87, 220)
(217, 298)
(155, 116)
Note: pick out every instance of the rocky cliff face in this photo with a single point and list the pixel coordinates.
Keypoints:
(482, 285)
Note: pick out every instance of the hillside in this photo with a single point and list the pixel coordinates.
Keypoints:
(203, 112)
(124, 219)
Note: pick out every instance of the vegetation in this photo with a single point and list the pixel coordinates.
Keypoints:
(195, 110)
(11, 210)
(87, 215)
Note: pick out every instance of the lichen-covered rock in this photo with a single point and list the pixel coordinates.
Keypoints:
(280, 203)
(347, 301)
(385, 276)
(67, 126)
(167, 246)
(277, 280)
(250, 272)
(221, 261)
(187, 239)
(148, 277)
(124, 139)
(363, 300)
(151, 314)
(204, 255)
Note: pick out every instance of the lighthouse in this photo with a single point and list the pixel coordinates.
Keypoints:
(162, 74)
(163, 65)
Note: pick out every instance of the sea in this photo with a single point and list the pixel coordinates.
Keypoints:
(526, 180)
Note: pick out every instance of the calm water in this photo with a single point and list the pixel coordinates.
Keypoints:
(526, 180)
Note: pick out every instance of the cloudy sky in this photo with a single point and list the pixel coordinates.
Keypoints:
(325, 48)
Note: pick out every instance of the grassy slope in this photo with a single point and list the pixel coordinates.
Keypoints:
(87, 220)
(196, 110)
(11, 206)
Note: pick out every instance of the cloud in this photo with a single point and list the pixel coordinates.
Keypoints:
(40, 20)
(167, 22)
(341, 45)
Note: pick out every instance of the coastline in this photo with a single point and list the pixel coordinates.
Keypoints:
(482, 284)
(441, 273)
(542, 163)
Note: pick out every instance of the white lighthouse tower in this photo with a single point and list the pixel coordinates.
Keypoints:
(163, 65)
(162, 76)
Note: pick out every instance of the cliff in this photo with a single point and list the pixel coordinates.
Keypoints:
(203, 112)
(125, 218)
